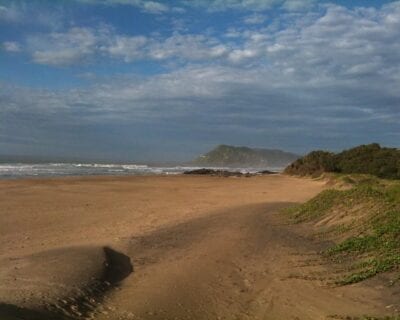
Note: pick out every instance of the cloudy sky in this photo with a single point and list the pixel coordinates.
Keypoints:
(161, 80)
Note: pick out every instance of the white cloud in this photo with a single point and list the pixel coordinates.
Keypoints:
(154, 7)
(334, 73)
(127, 48)
(250, 5)
(11, 46)
(188, 47)
(79, 45)
(212, 5)
(238, 56)
(255, 19)
(21, 13)
(298, 5)
(62, 49)
(337, 42)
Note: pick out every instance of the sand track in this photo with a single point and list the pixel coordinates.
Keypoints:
(199, 248)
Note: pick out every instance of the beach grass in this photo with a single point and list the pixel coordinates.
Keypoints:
(372, 242)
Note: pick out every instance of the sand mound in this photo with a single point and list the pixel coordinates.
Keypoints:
(67, 282)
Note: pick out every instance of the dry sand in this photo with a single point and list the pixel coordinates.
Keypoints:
(166, 247)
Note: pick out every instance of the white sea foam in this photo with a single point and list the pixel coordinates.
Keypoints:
(18, 170)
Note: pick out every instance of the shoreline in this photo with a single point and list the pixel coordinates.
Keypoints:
(127, 176)
(17, 171)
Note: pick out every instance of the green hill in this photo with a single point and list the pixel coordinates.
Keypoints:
(231, 156)
(366, 159)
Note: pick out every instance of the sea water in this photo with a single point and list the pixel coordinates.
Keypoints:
(21, 170)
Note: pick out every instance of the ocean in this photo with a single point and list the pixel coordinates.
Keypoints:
(22, 170)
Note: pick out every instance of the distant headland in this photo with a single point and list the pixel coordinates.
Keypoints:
(233, 156)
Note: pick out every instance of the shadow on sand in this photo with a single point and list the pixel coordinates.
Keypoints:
(116, 268)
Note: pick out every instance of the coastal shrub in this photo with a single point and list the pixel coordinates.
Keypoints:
(369, 159)
(365, 159)
(314, 163)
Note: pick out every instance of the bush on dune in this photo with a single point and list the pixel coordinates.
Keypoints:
(366, 159)
(314, 163)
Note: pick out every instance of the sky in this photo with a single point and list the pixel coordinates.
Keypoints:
(138, 80)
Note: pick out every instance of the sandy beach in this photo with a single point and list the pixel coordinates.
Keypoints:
(166, 247)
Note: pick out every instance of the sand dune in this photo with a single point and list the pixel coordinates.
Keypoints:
(166, 248)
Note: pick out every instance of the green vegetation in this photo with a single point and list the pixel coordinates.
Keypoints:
(230, 156)
(316, 206)
(315, 163)
(365, 159)
(372, 242)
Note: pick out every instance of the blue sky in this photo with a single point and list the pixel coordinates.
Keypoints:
(137, 80)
